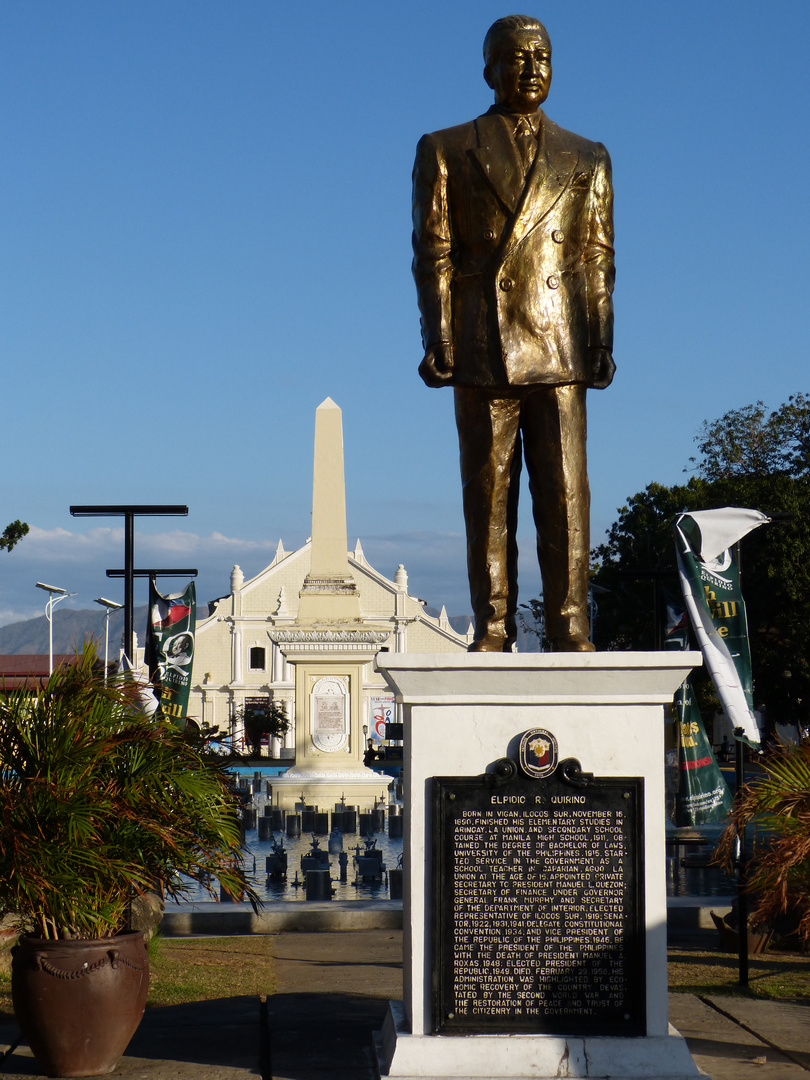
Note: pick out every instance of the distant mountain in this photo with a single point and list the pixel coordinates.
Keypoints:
(526, 641)
(71, 627)
(460, 623)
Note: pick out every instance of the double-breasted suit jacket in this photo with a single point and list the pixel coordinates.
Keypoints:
(517, 274)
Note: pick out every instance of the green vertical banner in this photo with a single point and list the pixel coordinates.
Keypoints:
(170, 648)
(711, 591)
(703, 793)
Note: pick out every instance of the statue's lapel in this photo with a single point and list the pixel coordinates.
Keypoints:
(548, 178)
(498, 160)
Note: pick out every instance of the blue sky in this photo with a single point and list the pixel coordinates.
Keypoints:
(205, 231)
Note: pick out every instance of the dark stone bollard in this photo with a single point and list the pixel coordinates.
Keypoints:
(343, 863)
(293, 824)
(350, 820)
(394, 826)
(308, 821)
(379, 819)
(395, 884)
(321, 824)
(277, 818)
(366, 824)
(265, 828)
(318, 885)
(226, 899)
(249, 817)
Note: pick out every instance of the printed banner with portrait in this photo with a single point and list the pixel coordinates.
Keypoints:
(170, 648)
(703, 794)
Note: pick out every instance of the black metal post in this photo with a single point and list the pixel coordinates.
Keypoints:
(742, 894)
(129, 586)
(129, 512)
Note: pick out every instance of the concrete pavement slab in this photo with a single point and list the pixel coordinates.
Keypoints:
(779, 1023)
(723, 1048)
(332, 992)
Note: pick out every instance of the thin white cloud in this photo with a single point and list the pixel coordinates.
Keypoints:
(78, 561)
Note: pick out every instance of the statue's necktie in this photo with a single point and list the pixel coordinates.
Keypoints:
(526, 143)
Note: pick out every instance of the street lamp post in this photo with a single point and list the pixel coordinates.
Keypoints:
(110, 606)
(54, 596)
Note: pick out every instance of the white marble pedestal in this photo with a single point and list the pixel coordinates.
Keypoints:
(461, 712)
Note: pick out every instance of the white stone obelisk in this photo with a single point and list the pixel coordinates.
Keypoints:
(329, 593)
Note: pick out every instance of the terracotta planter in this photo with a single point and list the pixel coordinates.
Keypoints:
(78, 1003)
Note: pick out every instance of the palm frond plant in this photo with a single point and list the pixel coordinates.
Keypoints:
(100, 804)
(778, 874)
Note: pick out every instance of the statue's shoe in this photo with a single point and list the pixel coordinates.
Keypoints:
(491, 643)
(574, 643)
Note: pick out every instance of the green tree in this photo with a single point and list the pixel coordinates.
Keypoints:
(749, 458)
(750, 442)
(12, 534)
(637, 557)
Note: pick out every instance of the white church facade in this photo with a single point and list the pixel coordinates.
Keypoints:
(239, 652)
(305, 632)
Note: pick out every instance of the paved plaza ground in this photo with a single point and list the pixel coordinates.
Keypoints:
(331, 990)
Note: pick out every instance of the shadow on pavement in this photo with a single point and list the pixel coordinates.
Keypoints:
(336, 1030)
(199, 1039)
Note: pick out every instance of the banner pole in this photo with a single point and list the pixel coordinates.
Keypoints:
(742, 895)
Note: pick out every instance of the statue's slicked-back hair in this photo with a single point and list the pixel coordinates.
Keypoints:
(505, 26)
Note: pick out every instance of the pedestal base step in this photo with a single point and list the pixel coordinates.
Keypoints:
(402, 1056)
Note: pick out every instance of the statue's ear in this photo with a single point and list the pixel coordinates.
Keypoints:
(488, 77)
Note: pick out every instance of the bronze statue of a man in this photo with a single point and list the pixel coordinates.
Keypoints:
(513, 262)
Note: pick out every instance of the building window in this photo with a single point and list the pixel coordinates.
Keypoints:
(257, 661)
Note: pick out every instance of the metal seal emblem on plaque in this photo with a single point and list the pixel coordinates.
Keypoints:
(538, 753)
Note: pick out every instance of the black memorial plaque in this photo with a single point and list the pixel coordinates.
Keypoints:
(538, 903)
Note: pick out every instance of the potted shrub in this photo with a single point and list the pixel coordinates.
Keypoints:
(99, 805)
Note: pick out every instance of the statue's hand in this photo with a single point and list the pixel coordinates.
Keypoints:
(602, 368)
(436, 368)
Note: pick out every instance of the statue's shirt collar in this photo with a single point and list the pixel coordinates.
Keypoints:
(516, 120)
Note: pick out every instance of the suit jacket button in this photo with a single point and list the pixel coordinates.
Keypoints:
(553, 282)
(489, 234)
(506, 284)
(558, 236)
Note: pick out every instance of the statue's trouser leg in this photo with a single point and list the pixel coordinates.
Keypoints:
(554, 427)
(490, 452)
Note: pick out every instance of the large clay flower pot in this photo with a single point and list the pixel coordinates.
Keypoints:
(78, 1003)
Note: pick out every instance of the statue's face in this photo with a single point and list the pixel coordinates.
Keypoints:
(520, 73)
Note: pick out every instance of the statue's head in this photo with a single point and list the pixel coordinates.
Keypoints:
(517, 55)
